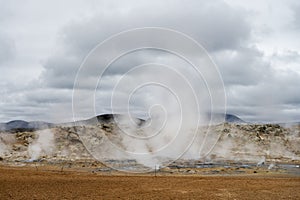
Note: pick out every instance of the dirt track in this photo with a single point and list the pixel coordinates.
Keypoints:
(27, 183)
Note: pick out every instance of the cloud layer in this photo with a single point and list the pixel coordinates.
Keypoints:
(254, 45)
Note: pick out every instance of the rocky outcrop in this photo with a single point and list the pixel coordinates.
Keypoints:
(238, 142)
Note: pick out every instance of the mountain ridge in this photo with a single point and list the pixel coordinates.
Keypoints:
(21, 125)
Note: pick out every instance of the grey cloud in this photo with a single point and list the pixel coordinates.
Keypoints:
(60, 70)
(296, 15)
(214, 24)
(259, 87)
(288, 56)
(242, 66)
(270, 100)
(223, 30)
(7, 49)
(37, 104)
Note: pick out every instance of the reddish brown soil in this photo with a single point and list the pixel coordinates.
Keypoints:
(28, 183)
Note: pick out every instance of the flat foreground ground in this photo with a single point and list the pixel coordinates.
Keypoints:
(29, 183)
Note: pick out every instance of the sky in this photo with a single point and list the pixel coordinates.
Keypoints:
(255, 45)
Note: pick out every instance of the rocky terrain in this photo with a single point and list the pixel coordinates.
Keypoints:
(250, 160)
(257, 142)
(237, 143)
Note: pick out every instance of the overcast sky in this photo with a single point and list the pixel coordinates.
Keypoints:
(255, 44)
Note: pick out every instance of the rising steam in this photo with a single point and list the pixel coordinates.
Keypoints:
(173, 92)
(43, 146)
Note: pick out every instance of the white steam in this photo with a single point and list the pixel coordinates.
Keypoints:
(43, 146)
(175, 87)
(3, 148)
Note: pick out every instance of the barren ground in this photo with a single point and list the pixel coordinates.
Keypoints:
(47, 183)
(248, 162)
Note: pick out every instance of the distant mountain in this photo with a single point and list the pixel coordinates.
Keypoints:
(16, 124)
(20, 125)
(233, 119)
(220, 117)
(104, 118)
